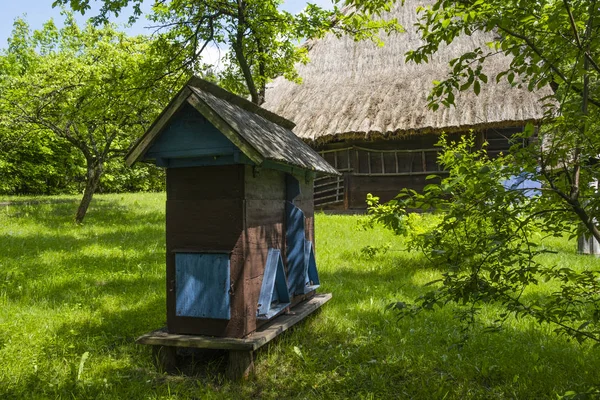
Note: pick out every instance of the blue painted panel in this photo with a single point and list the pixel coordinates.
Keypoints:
(189, 134)
(295, 237)
(274, 296)
(525, 182)
(311, 281)
(202, 285)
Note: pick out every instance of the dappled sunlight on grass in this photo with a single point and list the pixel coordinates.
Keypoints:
(69, 290)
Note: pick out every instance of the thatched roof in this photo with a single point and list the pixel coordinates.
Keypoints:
(259, 134)
(358, 90)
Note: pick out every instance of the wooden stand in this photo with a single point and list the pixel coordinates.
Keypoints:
(241, 357)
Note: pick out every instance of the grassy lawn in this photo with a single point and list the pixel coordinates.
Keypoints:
(74, 298)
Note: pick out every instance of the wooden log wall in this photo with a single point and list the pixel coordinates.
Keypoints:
(384, 167)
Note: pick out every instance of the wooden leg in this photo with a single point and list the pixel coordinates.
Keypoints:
(165, 358)
(240, 365)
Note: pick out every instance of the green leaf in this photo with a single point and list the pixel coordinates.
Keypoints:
(82, 361)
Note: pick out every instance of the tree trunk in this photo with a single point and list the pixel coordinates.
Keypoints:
(95, 168)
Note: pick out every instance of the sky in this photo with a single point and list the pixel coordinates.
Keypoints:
(37, 12)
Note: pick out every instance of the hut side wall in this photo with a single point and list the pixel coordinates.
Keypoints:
(384, 167)
(205, 214)
(264, 228)
(305, 202)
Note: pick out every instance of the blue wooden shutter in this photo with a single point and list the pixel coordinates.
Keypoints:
(202, 285)
(295, 237)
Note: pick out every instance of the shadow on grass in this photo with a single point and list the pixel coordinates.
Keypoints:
(364, 348)
(424, 357)
(101, 211)
(352, 348)
(44, 242)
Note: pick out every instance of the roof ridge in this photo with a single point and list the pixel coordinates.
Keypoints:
(199, 83)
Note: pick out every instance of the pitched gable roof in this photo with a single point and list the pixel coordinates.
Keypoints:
(258, 133)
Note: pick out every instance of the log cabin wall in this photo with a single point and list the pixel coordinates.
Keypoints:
(384, 167)
(500, 140)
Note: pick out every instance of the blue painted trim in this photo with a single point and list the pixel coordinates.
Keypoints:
(274, 296)
(202, 284)
(312, 276)
(274, 311)
(295, 237)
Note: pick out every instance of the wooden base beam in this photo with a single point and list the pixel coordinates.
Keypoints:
(241, 359)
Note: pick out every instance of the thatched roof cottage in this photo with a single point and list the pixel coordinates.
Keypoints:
(365, 109)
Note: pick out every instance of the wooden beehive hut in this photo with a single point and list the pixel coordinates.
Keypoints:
(239, 213)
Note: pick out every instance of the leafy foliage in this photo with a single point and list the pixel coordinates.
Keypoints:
(487, 243)
(260, 41)
(549, 42)
(488, 239)
(93, 89)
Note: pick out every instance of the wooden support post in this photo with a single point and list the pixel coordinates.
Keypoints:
(165, 358)
(348, 161)
(240, 364)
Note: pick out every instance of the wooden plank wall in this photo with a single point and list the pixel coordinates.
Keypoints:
(499, 140)
(264, 218)
(205, 214)
(234, 209)
(265, 226)
(387, 185)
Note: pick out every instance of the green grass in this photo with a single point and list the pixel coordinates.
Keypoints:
(73, 299)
